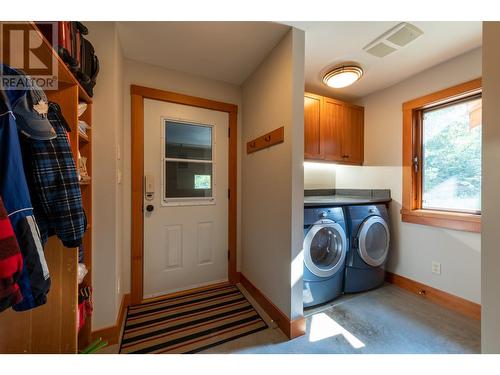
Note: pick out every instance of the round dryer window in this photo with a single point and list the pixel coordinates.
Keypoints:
(373, 241)
(325, 248)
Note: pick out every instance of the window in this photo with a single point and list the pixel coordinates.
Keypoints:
(188, 160)
(442, 158)
(451, 156)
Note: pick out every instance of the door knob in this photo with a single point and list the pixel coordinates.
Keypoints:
(150, 208)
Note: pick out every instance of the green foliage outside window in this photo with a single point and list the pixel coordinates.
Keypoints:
(452, 158)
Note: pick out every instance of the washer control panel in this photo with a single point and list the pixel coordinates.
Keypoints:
(312, 215)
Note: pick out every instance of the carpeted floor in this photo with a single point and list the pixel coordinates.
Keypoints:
(190, 323)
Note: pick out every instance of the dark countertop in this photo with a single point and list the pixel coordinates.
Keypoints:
(345, 197)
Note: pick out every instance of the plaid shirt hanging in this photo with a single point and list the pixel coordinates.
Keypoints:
(53, 182)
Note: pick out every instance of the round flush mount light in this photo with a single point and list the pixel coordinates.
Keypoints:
(343, 76)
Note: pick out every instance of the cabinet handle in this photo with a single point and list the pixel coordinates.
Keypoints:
(267, 138)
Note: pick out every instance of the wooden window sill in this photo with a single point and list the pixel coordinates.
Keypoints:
(443, 219)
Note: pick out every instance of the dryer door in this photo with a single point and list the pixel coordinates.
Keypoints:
(373, 240)
(325, 247)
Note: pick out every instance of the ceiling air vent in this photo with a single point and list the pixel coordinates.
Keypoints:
(394, 39)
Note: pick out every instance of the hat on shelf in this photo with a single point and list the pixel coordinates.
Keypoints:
(29, 105)
(31, 115)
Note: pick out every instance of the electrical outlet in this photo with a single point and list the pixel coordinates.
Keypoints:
(436, 268)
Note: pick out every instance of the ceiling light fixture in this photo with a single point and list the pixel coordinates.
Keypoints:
(343, 76)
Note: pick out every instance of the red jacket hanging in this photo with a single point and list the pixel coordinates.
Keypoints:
(11, 263)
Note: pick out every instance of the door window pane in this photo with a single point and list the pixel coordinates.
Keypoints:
(188, 179)
(189, 161)
(188, 141)
(451, 173)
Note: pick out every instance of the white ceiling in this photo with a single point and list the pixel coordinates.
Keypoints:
(224, 51)
(230, 51)
(330, 43)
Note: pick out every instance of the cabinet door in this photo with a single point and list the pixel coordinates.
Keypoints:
(352, 135)
(312, 127)
(331, 126)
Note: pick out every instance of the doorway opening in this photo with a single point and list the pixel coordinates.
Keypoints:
(139, 95)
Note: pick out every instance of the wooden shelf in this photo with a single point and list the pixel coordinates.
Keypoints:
(65, 76)
(86, 182)
(52, 328)
(83, 137)
(82, 94)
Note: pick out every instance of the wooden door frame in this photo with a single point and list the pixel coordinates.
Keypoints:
(138, 94)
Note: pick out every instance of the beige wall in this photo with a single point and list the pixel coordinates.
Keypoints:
(414, 246)
(319, 175)
(490, 323)
(297, 182)
(112, 144)
(156, 77)
(272, 187)
(107, 193)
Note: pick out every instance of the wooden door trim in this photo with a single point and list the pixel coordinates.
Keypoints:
(138, 94)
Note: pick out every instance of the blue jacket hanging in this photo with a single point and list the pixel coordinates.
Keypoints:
(34, 281)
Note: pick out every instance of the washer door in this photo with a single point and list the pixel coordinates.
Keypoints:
(325, 247)
(373, 240)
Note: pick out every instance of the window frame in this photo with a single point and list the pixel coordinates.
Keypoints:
(185, 201)
(412, 211)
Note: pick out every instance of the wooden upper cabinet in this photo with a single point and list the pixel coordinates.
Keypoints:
(353, 135)
(312, 129)
(333, 130)
(332, 125)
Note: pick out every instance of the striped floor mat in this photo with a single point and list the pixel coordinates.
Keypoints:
(190, 323)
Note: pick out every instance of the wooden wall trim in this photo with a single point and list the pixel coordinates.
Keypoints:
(136, 196)
(442, 219)
(297, 328)
(112, 334)
(448, 93)
(138, 93)
(412, 211)
(291, 328)
(450, 301)
(173, 97)
(233, 198)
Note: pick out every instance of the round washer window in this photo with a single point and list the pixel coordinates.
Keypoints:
(325, 247)
(374, 241)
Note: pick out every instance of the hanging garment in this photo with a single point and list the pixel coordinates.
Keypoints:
(85, 305)
(53, 183)
(35, 280)
(30, 107)
(11, 263)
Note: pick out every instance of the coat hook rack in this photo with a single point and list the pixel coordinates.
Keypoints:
(267, 140)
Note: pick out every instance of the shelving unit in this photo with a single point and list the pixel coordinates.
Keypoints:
(52, 328)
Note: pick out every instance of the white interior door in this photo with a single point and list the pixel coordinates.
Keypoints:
(185, 197)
